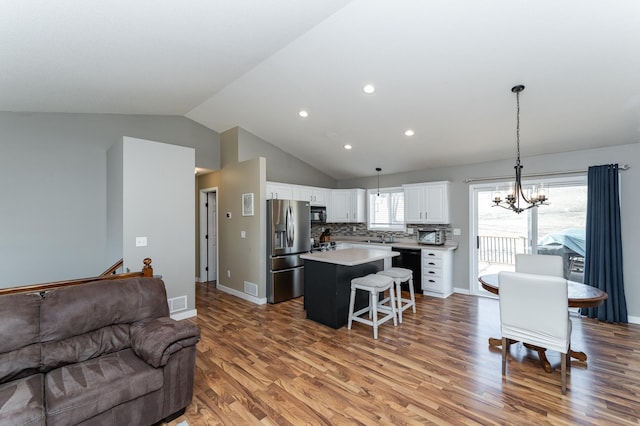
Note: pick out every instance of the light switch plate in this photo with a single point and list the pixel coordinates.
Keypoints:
(243, 234)
(141, 241)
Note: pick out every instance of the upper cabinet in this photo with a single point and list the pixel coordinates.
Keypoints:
(286, 191)
(426, 203)
(346, 206)
(315, 196)
(279, 191)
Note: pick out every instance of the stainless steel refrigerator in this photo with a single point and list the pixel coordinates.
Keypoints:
(288, 236)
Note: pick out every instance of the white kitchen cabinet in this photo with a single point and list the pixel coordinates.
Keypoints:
(437, 272)
(315, 196)
(279, 191)
(346, 206)
(286, 191)
(426, 203)
(319, 196)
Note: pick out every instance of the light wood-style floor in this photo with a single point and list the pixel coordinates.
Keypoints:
(269, 365)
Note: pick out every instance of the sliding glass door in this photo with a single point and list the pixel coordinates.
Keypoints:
(499, 234)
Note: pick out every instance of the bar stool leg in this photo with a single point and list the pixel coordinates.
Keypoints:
(374, 308)
(394, 311)
(352, 301)
(399, 299)
(413, 296)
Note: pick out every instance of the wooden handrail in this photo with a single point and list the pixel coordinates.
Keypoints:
(147, 271)
(113, 268)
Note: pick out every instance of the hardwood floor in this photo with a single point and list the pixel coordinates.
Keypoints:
(267, 364)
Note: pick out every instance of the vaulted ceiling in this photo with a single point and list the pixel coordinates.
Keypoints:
(443, 69)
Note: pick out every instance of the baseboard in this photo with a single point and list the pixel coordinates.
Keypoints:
(461, 291)
(241, 295)
(184, 314)
(633, 320)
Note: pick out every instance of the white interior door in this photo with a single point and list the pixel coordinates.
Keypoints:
(212, 236)
(208, 235)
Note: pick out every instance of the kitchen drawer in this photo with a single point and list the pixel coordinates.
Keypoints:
(431, 272)
(431, 263)
(432, 254)
(432, 283)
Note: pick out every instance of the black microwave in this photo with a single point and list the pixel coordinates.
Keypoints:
(435, 237)
(318, 214)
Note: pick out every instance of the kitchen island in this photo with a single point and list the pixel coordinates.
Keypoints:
(327, 281)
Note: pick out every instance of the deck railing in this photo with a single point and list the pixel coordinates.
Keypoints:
(501, 249)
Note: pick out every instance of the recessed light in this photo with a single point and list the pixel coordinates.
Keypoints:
(368, 89)
(347, 146)
(303, 114)
(409, 132)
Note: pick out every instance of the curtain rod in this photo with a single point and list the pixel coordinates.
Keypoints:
(570, 172)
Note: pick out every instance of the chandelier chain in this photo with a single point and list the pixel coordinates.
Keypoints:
(518, 127)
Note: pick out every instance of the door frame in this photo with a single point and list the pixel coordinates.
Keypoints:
(203, 232)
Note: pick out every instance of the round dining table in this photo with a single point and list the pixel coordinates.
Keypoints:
(579, 295)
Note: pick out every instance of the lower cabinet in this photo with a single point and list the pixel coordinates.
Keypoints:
(437, 272)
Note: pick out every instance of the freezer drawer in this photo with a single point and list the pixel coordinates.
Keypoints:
(285, 284)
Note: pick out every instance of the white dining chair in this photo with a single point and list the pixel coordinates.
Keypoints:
(540, 264)
(533, 310)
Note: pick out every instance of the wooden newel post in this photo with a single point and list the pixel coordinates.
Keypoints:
(147, 269)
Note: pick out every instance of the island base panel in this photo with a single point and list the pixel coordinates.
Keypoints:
(327, 288)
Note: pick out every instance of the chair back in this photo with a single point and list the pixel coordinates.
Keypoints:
(540, 264)
(533, 309)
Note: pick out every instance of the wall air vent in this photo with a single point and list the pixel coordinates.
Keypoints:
(251, 288)
(177, 304)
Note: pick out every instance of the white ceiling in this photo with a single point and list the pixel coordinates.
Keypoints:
(442, 68)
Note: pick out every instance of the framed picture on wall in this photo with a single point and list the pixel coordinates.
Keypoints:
(247, 204)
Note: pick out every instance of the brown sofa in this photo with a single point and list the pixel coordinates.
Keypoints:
(102, 353)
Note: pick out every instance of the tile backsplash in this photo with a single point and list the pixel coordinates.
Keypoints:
(347, 230)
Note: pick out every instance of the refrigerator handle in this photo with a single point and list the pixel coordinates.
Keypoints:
(290, 235)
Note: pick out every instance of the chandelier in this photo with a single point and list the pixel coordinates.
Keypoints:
(537, 195)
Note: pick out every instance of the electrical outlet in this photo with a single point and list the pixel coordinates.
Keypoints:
(141, 241)
(355, 228)
(243, 234)
(456, 231)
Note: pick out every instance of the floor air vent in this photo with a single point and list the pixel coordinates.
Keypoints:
(177, 304)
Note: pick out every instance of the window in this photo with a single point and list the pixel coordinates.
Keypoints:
(386, 211)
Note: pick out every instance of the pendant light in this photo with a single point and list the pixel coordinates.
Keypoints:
(537, 197)
(378, 169)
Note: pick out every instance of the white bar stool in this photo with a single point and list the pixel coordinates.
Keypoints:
(399, 276)
(374, 284)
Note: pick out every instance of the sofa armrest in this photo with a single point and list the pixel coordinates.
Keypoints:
(155, 340)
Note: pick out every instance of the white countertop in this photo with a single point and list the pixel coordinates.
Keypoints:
(349, 257)
(407, 244)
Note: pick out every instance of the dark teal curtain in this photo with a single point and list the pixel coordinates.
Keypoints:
(603, 259)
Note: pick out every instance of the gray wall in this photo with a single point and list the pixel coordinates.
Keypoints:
(281, 166)
(157, 202)
(53, 195)
(577, 160)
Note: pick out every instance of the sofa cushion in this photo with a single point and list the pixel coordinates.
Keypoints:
(20, 331)
(85, 346)
(71, 311)
(22, 401)
(80, 391)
